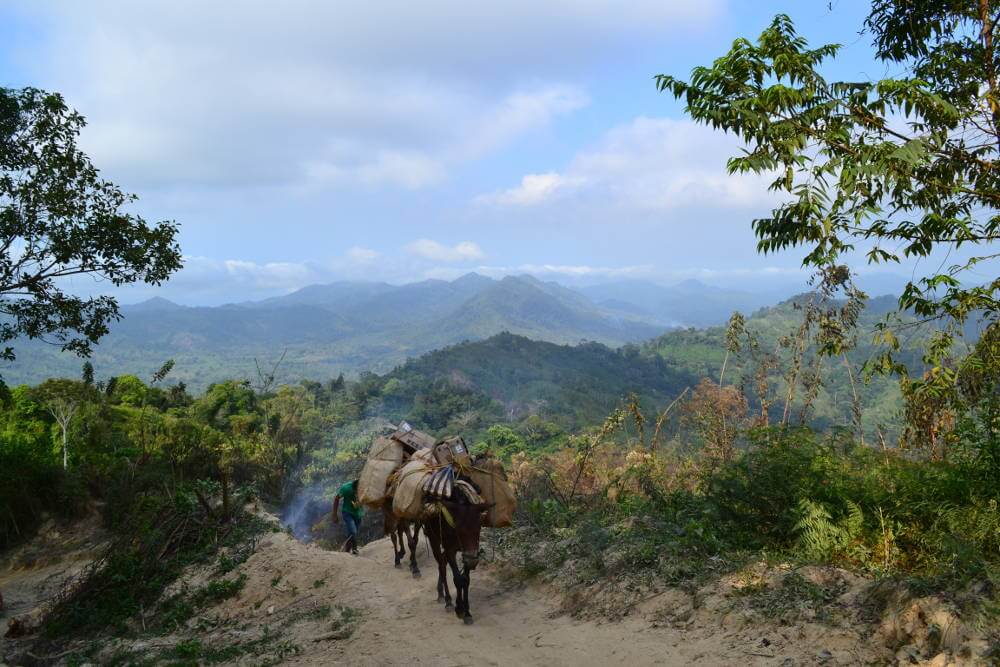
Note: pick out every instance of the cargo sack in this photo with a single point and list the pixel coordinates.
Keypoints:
(408, 490)
(453, 450)
(489, 476)
(384, 458)
(413, 439)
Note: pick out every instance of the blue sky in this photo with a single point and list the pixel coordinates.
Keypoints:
(310, 141)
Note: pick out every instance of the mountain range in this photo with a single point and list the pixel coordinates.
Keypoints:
(349, 327)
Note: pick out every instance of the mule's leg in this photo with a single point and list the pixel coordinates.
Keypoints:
(466, 580)
(459, 578)
(413, 541)
(390, 526)
(434, 539)
(395, 551)
(401, 552)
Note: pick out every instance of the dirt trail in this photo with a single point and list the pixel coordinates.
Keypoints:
(303, 605)
(514, 624)
(402, 624)
(303, 593)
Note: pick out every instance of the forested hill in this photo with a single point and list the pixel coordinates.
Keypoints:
(700, 352)
(508, 377)
(350, 327)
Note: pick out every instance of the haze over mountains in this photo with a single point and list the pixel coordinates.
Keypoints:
(351, 327)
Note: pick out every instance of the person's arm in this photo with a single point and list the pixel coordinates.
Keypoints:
(336, 507)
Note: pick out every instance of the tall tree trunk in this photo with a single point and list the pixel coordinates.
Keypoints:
(65, 454)
(855, 402)
(225, 495)
(986, 33)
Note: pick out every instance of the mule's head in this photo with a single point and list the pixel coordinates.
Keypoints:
(467, 518)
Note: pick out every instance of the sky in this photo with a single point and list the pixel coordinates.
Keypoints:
(307, 141)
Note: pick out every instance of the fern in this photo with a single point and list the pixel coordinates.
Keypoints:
(854, 523)
(818, 534)
(822, 538)
(962, 533)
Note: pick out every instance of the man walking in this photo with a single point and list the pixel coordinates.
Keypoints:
(351, 513)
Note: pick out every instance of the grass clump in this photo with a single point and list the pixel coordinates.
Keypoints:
(790, 598)
(178, 609)
(345, 622)
(270, 649)
(320, 613)
(217, 591)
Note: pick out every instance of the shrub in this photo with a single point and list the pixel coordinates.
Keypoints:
(154, 540)
(792, 492)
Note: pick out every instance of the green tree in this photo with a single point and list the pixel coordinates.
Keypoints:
(896, 168)
(224, 401)
(129, 390)
(87, 373)
(61, 399)
(59, 218)
(503, 441)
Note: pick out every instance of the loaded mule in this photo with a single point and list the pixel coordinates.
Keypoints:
(378, 484)
(452, 524)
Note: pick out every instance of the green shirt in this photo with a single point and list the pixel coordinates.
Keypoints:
(350, 495)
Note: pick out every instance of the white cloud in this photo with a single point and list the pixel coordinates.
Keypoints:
(534, 189)
(517, 114)
(438, 252)
(316, 92)
(653, 164)
(576, 270)
(242, 279)
(592, 271)
(270, 275)
(358, 255)
(569, 272)
(410, 170)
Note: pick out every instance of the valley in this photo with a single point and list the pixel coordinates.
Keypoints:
(325, 330)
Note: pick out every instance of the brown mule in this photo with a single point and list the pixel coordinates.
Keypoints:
(456, 527)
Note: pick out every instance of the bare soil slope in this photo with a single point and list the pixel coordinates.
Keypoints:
(399, 622)
(303, 605)
(36, 571)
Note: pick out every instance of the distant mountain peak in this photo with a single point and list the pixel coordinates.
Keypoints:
(472, 278)
(155, 303)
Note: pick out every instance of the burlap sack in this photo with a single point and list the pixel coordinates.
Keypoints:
(408, 490)
(384, 457)
(489, 476)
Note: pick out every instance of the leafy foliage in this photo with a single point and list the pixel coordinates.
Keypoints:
(852, 171)
(59, 218)
(897, 168)
(791, 495)
(157, 538)
(802, 386)
(820, 537)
